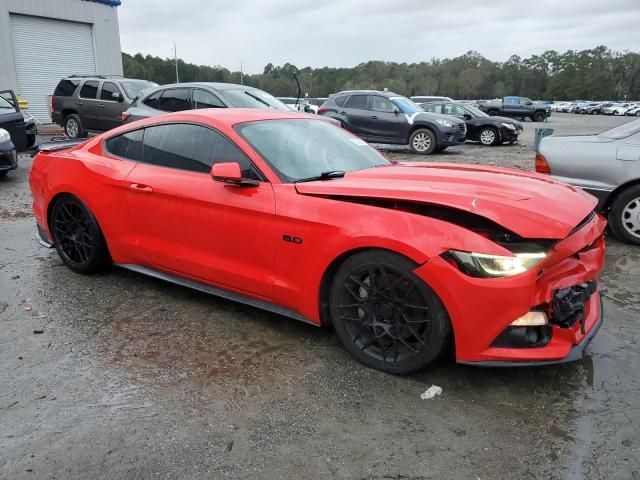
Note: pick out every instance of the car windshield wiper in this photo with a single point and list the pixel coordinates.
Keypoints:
(259, 99)
(323, 176)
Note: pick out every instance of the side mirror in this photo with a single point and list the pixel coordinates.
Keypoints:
(396, 111)
(229, 172)
(117, 96)
(467, 116)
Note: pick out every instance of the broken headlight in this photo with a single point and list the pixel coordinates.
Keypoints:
(489, 266)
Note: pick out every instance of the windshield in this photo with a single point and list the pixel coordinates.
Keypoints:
(253, 98)
(4, 103)
(623, 131)
(475, 112)
(406, 106)
(300, 149)
(133, 89)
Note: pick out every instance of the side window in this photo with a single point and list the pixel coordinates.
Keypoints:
(203, 99)
(108, 89)
(511, 100)
(89, 89)
(66, 88)
(128, 145)
(340, 101)
(453, 110)
(430, 107)
(381, 104)
(358, 102)
(174, 100)
(152, 100)
(191, 147)
(525, 101)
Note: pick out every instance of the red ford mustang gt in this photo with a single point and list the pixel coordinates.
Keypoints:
(296, 216)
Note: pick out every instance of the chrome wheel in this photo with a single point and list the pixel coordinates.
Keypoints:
(421, 142)
(631, 217)
(487, 136)
(72, 128)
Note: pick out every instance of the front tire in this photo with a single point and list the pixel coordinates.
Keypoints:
(77, 236)
(624, 216)
(489, 137)
(31, 140)
(385, 315)
(73, 127)
(423, 142)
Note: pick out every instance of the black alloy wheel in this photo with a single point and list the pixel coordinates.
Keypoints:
(77, 236)
(385, 315)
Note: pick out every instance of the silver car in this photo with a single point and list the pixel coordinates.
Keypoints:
(193, 95)
(606, 165)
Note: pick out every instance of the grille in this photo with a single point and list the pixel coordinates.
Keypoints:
(463, 128)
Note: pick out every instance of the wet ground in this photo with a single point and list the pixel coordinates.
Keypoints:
(121, 376)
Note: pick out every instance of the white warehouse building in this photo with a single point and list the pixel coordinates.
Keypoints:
(42, 41)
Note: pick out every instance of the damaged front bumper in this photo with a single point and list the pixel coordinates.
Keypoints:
(564, 287)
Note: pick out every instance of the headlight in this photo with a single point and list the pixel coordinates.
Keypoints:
(4, 136)
(445, 123)
(487, 266)
(510, 126)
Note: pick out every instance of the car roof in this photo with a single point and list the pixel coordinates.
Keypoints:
(214, 85)
(225, 116)
(111, 78)
(368, 92)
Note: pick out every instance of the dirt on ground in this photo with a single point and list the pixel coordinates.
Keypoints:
(122, 376)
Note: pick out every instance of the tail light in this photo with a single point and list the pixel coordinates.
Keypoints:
(125, 115)
(541, 164)
(53, 104)
(321, 110)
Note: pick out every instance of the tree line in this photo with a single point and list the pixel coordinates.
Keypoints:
(595, 74)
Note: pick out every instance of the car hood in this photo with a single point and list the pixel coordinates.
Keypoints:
(528, 204)
(503, 120)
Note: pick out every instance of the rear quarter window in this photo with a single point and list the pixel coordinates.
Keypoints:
(128, 145)
(340, 101)
(66, 87)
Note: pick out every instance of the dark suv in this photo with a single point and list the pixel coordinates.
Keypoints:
(388, 118)
(81, 103)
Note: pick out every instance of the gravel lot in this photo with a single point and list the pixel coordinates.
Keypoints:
(133, 378)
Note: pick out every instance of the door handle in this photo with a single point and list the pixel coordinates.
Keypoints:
(342, 113)
(138, 187)
(101, 104)
(78, 103)
(374, 117)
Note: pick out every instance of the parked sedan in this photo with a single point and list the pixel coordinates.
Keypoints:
(285, 212)
(634, 111)
(606, 165)
(197, 95)
(481, 127)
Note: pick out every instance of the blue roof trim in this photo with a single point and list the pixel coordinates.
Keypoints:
(111, 3)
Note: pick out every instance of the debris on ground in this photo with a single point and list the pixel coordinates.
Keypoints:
(431, 392)
(27, 309)
(38, 330)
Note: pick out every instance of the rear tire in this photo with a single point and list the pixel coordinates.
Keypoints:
(385, 315)
(77, 236)
(31, 140)
(489, 137)
(73, 127)
(423, 142)
(624, 216)
(539, 117)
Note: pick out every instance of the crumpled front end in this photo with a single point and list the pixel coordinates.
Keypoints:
(545, 315)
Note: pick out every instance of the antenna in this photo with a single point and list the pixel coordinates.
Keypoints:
(241, 74)
(175, 57)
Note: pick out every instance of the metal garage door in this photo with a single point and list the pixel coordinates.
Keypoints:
(45, 51)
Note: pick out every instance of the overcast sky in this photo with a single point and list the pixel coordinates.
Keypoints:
(343, 33)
